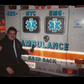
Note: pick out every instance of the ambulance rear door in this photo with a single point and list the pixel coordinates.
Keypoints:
(55, 25)
(48, 33)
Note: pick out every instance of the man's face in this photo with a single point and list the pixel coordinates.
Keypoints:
(11, 35)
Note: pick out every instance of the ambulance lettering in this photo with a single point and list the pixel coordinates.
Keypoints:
(55, 12)
(42, 59)
(50, 45)
(31, 13)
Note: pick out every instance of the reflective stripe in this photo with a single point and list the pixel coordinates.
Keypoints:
(57, 54)
(14, 48)
(42, 49)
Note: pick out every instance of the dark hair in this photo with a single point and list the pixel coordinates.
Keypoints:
(11, 28)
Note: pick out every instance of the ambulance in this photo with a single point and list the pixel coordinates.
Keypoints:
(56, 31)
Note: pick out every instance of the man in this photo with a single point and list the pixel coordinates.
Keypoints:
(10, 55)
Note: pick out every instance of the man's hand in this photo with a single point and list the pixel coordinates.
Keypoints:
(29, 52)
(10, 70)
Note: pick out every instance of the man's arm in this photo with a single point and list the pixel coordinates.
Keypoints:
(25, 51)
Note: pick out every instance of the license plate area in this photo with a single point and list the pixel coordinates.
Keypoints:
(31, 64)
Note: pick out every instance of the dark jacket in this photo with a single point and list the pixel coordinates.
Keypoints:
(7, 55)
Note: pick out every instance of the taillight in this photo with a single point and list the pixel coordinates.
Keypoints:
(69, 71)
(36, 7)
(48, 7)
(63, 6)
(12, 6)
(42, 7)
(24, 6)
(79, 5)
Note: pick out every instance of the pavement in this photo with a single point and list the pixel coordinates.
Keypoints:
(40, 74)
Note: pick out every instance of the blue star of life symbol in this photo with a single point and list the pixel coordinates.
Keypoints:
(31, 25)
(54, 25)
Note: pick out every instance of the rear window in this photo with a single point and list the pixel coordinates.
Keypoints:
(54, 25)
(31, 24)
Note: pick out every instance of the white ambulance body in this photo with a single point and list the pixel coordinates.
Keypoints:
(57, 33)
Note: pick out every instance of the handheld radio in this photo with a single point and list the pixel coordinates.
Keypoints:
(32, 48)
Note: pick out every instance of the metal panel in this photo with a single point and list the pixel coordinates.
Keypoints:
(42, 14)
(13, 20)
(76, 28)
(76, 35)
(31, 36)
(57, 37)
